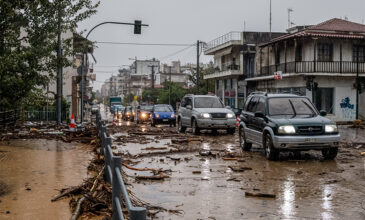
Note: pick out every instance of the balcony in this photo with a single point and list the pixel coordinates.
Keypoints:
(228, 69)
(344, 67)
(229, 39)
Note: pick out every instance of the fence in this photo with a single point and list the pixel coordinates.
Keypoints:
(9, 118)
(113, 170)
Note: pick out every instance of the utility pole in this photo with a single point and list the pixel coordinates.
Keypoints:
(153, 75)
(289, 21)
(197, 66)
(270, 19)
(170, 86)
(59, 71)
(357, 82)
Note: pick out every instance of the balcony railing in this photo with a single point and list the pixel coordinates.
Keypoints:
(313, 67)
(231, 36)
(230, 66)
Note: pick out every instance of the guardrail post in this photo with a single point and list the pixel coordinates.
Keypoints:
(137, 213)
(108, 163)
(116, 190)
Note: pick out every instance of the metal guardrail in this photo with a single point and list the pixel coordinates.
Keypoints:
(113, 170)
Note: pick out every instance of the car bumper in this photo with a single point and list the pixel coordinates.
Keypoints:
(306, 142)
(164, 120)
(216, 123)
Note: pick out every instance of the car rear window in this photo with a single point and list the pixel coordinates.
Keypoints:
(207, 102)
(291, 106)
(163, 109)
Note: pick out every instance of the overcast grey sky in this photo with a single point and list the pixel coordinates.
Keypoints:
(186, 21)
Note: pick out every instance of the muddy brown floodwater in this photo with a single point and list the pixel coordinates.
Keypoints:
(33, 172)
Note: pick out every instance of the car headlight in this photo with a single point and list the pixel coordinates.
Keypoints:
(331, 128)
(286, 129)
(205, 115)
(143, 115)
(128, 113)
(230, 115)
(157, 116)
(172, 115)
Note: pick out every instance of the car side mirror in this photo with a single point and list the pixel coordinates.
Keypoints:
(322, 113)
(259, 115)
(189, 107)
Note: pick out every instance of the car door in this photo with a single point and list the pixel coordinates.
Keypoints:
(259, 123)
(187, 116)
(249, 114)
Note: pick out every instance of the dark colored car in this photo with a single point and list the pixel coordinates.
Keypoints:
(144, 113)
(128, 114)
(163, 114)
(284, 122)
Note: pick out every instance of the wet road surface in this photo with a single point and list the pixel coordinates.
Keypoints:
(35, 171)
(212, 187)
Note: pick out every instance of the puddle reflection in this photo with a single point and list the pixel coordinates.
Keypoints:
(327, 202)
(288, 206)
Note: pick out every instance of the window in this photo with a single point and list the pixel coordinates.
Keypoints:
(246, 104)
(361, 50)
(208, 102)
(325, 52)
(299, 53)
(260, 106)
(165, 108)
(189, 102)
(252, 105)
(291, 106)
(183, 102)
(277, 56)
(324, 99)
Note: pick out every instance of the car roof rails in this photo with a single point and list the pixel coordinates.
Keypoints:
(258, 93)
(292, 93)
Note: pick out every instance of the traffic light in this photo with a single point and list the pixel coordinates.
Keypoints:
(137, 26)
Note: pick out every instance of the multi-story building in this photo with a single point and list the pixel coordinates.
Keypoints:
(321, 62)
(178, 73)
(234, 57)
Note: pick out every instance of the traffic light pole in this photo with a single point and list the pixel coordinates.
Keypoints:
(197, 67)
(137, 30)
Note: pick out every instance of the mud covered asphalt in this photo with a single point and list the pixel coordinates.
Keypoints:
(210, 177)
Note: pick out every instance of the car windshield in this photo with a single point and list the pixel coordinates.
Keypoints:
(146, 107)
(129, 108)
(163, 109)
(291, 106)
(208, 102)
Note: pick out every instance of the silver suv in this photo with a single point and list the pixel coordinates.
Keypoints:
(205, 112)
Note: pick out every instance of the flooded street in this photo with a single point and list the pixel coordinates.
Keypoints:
(209, 179)
(34, 171)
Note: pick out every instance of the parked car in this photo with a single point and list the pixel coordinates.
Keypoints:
(284, 122)
(114, 108)
(205, 112)
(163, 114)
(94, 109)
(128, 114)
(144, 113)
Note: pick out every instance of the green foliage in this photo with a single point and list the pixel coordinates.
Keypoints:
(28, 42)
(161, 96)
(205, 86)
(128, 99)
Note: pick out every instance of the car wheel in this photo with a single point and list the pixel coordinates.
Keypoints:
(270, 152)
(243, 143)
(330, 153)
(195, 128)
(180, 127)
(231, 130)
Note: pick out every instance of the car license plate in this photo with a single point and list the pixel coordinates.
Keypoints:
(310, 140)
(165, 120)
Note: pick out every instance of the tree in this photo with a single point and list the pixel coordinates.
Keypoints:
(177, 93)
(205, 86)
(28, 42)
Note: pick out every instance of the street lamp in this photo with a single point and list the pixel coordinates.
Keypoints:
(137, 30)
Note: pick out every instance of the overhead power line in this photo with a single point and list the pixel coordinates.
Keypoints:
(143, 44)
(177, 52)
